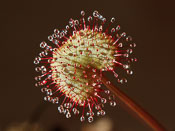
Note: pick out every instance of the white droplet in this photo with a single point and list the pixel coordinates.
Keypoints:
(68, 115)
(118, 28)
(56, 31)
(95, 14)
(103, 100)
(36, 62)
(82, 13)
(50, 38)
(102, 112)
(90, 119)
(129, 38)
(133, 45)
(82, 118)
(129, 72)
(112, 19)
(123, 34)
(89, 18)
(126, 66)
(112, 103)
(38, 69)
(43, 44)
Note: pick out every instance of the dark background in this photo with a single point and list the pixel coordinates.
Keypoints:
(24, 24)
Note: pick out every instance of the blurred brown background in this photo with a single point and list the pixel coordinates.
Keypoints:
(24, 24)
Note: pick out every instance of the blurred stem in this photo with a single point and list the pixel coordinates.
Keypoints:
(137, 109)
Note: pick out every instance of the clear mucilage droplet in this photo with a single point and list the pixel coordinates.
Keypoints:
(68, 115)
(129, 38)
(112, 103)
(130, 72)
(95, 14)
(43, 44)
(37, 69)
(82, 118)
(36, 62)
(112, 19)
(82, 13)
(89, 18)
(103, 100)
(122, 81)
(102, 112)
(126, 66)
(118, 28)
(90, 119)
(133, 45)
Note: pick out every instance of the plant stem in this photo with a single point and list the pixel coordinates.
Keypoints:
(137, 109)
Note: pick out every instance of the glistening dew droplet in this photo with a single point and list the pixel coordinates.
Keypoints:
(71, 70)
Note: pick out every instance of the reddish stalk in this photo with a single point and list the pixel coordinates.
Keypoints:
(137, 109)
